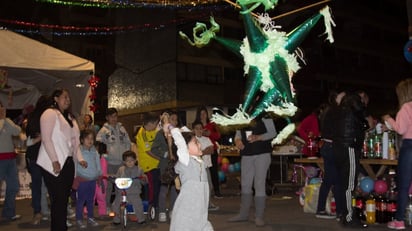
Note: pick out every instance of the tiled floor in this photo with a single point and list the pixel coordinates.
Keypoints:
(283, 213)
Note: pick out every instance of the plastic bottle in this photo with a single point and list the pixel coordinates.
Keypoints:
(408, 214)
(385, 145)
(370, 211)
(333, 206)
(391, 206)
(365, 148)
(392, 147)
(371, 147)
(381, 209)
(312, 146)
(360, 208)
(378, 146)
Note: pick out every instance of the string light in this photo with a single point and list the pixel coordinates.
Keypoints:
(62, 30)
(133, 3)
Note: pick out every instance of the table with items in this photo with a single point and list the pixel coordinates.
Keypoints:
(366, 164)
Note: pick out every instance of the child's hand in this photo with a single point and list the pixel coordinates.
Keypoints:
(144, 178)
(83, 163)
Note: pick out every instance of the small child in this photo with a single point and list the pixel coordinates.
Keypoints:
(190, 211)
(130, 169)
(206, 146)
(86, 179)
(101, 184)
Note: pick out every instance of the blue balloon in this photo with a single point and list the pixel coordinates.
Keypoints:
(367, 184)
(231, 168)
(237, 166)
(222, 176)
(407, 51)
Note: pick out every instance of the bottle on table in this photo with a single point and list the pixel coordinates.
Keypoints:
(408, 214)
(378, 146)
(381, 215)
(370, 210)
(391, 206)
(360, 207)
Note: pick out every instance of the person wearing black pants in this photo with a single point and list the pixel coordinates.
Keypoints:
(59, 191)
(350, 131)
(214, 175)
(60, 144)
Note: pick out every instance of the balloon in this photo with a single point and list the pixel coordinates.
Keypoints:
(222, 176)
(237, 166)
(219, 159)
(225, 160)
(231, 168)
(380, 187)
(367, 184)
(407, 51)
(311, 171)
(315, 180)
(225, 167)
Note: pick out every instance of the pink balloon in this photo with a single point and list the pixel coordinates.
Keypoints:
(380, 187)
(225, 167)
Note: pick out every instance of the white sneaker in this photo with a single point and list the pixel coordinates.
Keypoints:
(70, 213)
(162, 217)
(92, 222)
(213, 207)
(68, 224)
(81, 224)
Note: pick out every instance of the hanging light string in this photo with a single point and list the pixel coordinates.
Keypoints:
(133, 3)
(64, 30)
(285, 14)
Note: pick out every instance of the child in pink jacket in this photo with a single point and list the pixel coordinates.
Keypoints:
(101, 185)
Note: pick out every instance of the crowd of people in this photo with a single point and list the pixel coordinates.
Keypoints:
(172, 161)
(340, 128)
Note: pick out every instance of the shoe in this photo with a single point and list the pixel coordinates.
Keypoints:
(15, 217)
(325, 215)
(70, 213)
(115, 223)
(213, 207)
(45, 217)
(259, 222)
(238, 218)
(338, 217)
(68, 224)
(218, 196)
(36, 219)
(396, 224)
(92, 222)
(162, 217)
(81, 224)
(141, 222)
(354, 224)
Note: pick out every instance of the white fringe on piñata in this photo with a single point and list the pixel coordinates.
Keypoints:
(284, 134)
(287, 109)
(240, 117)
(262, 60)
(328, 21)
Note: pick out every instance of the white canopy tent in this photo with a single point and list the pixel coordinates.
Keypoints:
(35, 68)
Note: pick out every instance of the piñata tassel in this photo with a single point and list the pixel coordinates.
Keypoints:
(328, 21)
(284, 134)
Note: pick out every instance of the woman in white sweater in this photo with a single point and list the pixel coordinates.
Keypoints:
(60, 145)
(8, 167)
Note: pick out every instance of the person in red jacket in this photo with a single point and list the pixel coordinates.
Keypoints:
(210, 130)
(309, 131)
